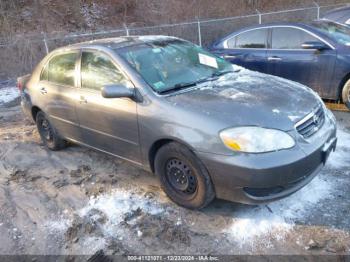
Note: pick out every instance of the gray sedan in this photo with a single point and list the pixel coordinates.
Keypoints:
(205, 127)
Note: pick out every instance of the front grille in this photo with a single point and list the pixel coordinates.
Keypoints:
(311, 123)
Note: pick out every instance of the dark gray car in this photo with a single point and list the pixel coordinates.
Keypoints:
(205, 127)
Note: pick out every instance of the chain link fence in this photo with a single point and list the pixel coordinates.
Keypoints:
(19, 54)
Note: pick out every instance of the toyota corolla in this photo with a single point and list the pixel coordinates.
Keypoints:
(205, 127)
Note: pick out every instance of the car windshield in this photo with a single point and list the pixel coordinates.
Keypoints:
(339, 33)
(169, 65)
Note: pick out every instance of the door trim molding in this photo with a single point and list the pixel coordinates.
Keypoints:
(109, 135)
(103, 151)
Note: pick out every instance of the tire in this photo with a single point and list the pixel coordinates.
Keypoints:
(183, 177)
(48, 133)
(346, 94)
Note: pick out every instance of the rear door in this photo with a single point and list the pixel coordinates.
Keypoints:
(289, 60)
(106, 124)
(248, 49)
(57, 92)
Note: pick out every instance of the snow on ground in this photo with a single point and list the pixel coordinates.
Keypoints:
(8, 94)
(248, 227)
(275, 220)
(341, 156)
(114, 205)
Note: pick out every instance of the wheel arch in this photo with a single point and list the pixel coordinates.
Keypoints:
(34, 111)
(341, 85)
(152, 152)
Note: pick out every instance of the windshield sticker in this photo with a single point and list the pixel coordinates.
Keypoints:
(159, 85)
(207, 60)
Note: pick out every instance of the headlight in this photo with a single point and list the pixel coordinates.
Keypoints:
(256, 139)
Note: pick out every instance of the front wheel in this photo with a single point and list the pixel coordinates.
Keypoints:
(346, 94)
(48, 134)
(183, 177)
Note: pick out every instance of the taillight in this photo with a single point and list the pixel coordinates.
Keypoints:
(19, 85)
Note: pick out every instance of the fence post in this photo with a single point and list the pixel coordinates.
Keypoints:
(260, 16)
(318, 10)
(126, 29)
(199, 32)
(45, 42)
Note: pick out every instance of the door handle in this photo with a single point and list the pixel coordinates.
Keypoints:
(82, 100)
(229, 56)
(274, 58)
(43, 90)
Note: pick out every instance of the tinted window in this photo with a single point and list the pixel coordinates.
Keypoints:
(252, 39)
(44, 76)
(97, 70)
(62, 69)
(290, 38)
(231, 43)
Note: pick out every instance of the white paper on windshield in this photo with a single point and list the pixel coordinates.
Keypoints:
(207, 60)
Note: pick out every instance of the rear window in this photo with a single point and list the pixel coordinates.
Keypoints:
(251, 39)
(62, 69)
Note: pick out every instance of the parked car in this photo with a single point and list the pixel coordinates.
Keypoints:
(316, 54)
(339, 15)
(205, 127)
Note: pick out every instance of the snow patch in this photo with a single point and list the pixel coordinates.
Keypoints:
(293, 118)
(115, 204)
(57, 226)
(155, 37)
(8, 94)
(277, 219)
(340, 158)
(234, 93)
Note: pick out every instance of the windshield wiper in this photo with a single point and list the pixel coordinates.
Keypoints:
(184, 85)
(221, 73)
(180, 86)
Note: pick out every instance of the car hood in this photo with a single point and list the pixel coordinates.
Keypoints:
(248, 98)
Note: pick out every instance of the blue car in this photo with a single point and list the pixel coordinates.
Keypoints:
(315, 54)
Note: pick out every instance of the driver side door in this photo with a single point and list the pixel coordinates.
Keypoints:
(107, 124)
(289, 60)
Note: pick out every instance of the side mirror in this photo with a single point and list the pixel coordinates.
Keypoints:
(315, 45)
(117, 91)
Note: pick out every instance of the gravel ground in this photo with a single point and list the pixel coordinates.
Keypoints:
(79, 201)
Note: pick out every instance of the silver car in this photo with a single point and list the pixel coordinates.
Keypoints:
(205, 127)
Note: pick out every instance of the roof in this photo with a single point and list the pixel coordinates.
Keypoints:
(299, 24)
(123, 41)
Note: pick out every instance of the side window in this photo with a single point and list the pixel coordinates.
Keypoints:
(44, 76)
(231, 43)
(97, 70)
(62, 69)
(289, 38)
(252, 39)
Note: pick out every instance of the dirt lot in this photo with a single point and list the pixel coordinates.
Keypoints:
(79, 201)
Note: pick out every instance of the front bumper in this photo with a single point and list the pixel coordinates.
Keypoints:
(261, 178)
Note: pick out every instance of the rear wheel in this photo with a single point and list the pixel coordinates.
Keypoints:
(183, 177)
(48, 134)
(346, 94)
